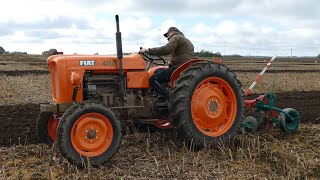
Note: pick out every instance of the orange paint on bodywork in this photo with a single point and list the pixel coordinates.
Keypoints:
(176, 74)
(137, 79)
(92, 134)
(152, 70)
(214, 106)
(62, 66)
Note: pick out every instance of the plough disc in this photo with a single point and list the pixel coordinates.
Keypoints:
(289, 124)
(249, 125)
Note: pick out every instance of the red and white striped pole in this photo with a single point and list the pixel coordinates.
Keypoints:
(259, 76)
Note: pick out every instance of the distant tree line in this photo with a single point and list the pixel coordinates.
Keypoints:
(2, 51)
(204, 53)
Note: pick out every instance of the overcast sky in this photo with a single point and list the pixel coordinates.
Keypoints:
(245, 27)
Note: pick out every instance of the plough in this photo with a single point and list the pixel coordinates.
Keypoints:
(288, 119)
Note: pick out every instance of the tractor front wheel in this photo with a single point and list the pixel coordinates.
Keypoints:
(46, 127)
(90, 134)
(206, 104)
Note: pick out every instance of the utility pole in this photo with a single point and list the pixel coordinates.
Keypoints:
(291, 53)
(224, 48)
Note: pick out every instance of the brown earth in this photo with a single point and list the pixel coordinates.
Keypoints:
(23, 73)
(305, 102)
(278, 71)
(18, 121)
(269, 154)
(40, 72)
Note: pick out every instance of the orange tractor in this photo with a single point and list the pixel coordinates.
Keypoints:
(92, 94)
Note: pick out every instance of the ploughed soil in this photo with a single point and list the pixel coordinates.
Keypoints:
(24, 72)
(18, 121)
(165, 155)
(41, 72)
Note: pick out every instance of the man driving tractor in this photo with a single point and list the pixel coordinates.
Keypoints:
(180, 50)
(94, 96)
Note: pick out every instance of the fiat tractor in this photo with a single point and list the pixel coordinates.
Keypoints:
(92, 95)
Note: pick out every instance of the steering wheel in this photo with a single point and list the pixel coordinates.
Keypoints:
(151, 57)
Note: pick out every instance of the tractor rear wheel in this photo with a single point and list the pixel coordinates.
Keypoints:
(46, 127)
(206, 104)
(89, 135)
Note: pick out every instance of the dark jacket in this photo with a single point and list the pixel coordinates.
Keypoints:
(179, 48)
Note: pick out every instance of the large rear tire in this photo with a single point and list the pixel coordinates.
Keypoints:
(90, 134)
(46, 127)
(206, 104)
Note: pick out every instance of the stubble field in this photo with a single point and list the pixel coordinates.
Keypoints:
(271, 154)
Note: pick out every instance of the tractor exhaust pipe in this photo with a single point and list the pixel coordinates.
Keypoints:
(120, 56)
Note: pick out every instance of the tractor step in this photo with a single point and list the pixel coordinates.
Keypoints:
(163, 105)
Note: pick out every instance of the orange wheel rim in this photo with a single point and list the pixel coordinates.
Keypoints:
(52, 127)
(91, 134)
(214, 106)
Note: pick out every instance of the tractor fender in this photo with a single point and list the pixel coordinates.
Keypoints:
(176, 74)
(151, 71)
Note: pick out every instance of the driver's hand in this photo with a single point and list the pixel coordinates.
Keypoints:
(143, 50)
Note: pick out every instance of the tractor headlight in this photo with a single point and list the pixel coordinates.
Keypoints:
(75, 79)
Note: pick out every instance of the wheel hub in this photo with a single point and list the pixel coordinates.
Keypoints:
(213, 106)
(91, 133)
(210, 106)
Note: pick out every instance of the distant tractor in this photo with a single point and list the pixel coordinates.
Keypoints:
(93, 94)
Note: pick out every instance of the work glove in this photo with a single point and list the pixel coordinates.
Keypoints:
(143, 50)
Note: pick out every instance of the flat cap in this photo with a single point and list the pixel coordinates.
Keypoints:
(170, 30)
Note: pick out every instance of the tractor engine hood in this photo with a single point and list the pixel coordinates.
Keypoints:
(95, 62)
(63, 69)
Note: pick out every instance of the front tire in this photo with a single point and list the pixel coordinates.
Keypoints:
(91, 134)
(46, 127)
(206, 104)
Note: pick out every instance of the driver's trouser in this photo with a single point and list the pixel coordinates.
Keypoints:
(161, 76)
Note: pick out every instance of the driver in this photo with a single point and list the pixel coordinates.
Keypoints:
(180, 50)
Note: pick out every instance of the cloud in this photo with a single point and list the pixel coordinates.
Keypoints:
(5, 31)
(230, 26)
(46, 23)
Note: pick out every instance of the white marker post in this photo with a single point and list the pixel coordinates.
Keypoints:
(259, 76)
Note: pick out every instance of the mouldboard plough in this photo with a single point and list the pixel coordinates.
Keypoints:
(268, 115)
